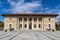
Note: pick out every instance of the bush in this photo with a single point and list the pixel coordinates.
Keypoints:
(58, 27)
(6, 30)
(52, 30)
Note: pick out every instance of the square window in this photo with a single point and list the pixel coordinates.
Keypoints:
(40, 19)
(20, 19)
(25, 19)
(35, 19)
(49, 19)
(30, 19)
(25, 25)
(10, 18)
(34, 25)
(39, 25)
(20, 25)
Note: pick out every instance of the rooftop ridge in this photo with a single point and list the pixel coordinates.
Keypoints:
(29, 14)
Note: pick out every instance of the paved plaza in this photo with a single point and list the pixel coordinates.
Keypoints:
(30, 35)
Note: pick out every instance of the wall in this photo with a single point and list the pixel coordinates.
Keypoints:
(15, 23)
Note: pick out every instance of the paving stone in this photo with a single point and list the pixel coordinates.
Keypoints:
(30, 35)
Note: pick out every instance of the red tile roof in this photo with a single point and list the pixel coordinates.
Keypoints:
(29, 14)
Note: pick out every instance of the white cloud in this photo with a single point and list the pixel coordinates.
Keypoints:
(22, 6)
(11, 2)
(55, 10)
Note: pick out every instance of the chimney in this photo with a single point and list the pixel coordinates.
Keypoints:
(16, 12)
(24, 12)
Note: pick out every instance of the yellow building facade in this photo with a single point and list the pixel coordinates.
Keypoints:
(29, 21)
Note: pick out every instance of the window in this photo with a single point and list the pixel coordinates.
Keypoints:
(34, 25)
(10, 25)
(49, 25)
(40, 19)
(25, 19)
(20, 25)
(30, 19)
(35, 19)
(10, 18)
(39, 25)
(25, 25)
(49, 19)
(20, 19)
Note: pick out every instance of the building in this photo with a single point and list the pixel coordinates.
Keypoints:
(29, 21)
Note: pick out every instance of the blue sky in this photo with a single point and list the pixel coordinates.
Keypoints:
(29, 6)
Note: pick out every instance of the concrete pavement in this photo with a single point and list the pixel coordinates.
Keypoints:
(30, 35)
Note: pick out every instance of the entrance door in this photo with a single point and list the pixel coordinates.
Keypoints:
(30, 25)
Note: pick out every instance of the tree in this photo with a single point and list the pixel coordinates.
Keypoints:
(1, 24)
(58, 19)
(58, 22)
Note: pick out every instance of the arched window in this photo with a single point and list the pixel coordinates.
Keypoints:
(10, 25)
(49, 26)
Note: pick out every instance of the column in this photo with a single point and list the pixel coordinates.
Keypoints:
(18, 23)
(37, 23)
(27, 23)
(42, 23)
(32, 23)
(22, 23)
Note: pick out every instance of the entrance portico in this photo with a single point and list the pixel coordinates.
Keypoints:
(30, 23)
